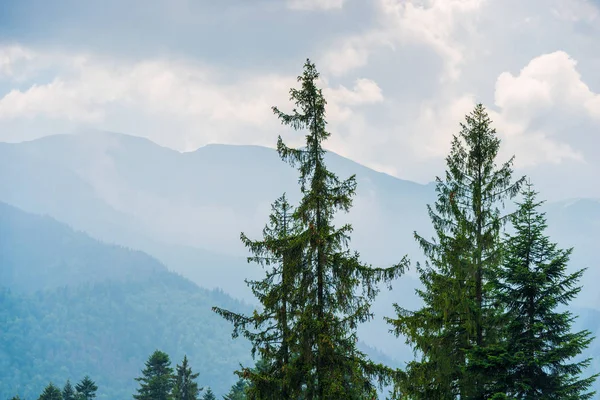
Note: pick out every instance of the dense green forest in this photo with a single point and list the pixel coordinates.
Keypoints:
(107, 329)
(494, 321)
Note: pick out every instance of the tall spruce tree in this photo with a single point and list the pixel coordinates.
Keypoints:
(457, 331)
(270, 331)
(334, 288)
(86, 389)
(539, 344)
(157, 378)
(51, 392)
(68, 392)
(186, 387)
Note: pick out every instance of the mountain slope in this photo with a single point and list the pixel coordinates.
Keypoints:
(39, 253)
(71, 305)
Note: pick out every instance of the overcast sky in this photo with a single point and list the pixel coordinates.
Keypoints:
(399, 76)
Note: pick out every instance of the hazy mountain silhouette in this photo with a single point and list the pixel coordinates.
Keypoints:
(188, 209)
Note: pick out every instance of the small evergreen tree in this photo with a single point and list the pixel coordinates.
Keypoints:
(186, 387)
(86, 388)
(51, 392)
(17, 397)
(237, 392)
(68, 392)
(157, 380)
(539, 343)
(209, 395)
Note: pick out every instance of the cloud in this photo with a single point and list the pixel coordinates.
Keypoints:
(315, 4)
(11, 59)
(435, 125)
(550, 80)
(398, 75)
(536, 106)
(434, 23)
(341, 100)
(93, 90)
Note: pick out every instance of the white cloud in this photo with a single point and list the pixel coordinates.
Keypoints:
(551, 88)
(435, 125)
(315, 4)
(550, 80)
(192, 96)
(341, 100)
(434, 23)
(11, 58)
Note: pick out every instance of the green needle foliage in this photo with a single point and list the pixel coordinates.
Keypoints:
(539, 344)
(86, 389)
(209, 395)
(456, 332)
(51, 392)
(335, 289)
(68, 392)
(186, 387)
(270, 331)
(237, 392)
(156, 381)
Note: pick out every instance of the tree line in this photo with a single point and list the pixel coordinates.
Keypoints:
(159, 381)
(491, 324)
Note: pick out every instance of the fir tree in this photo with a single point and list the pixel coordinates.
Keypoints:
(186, 387)
(209, 395)
(329, 302)
(457, 331)
(539, 344)
(68, 392)
(17, 397)
(269, 330)
(86, 388)
(51, 392)
(157, 380)
(237, 392)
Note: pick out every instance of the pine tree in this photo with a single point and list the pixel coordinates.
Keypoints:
(51, 392)
(86, 388)
(237, 391)
(157, 378)
(186, 387)
(269, 330)
(68, 392)
(209, 395)
(334, 288)
(17, 397)
(457, 331)
(539, 343)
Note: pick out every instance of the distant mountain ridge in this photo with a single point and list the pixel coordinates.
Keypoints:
(188, 209)
(62, 257)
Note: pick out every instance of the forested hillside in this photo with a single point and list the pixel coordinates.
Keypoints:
(72, 306)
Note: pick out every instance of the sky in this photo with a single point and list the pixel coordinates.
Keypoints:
(399, 76)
